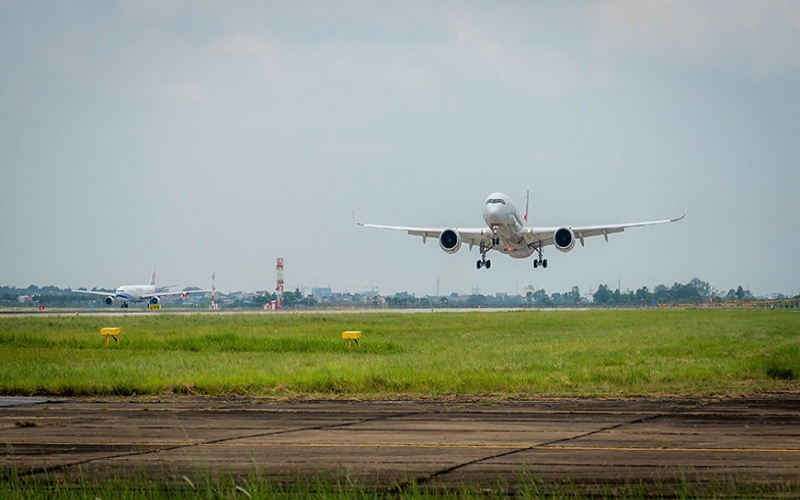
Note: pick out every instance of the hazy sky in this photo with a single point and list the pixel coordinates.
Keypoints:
(218, 136)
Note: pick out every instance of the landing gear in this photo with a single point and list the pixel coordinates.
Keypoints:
(124, 305)
(483, 262)
(540, 261)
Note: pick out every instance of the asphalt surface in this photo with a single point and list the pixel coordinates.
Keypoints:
(592, 445)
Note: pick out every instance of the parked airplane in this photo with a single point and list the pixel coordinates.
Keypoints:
(507, 233)
(140, 293)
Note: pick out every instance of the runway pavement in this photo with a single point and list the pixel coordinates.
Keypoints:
(589, 444)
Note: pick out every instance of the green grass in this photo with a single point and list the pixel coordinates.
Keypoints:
(209, 486)
(497, 354)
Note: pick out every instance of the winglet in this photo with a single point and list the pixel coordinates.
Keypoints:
(527, 198)
(354, 219)
(679, 218)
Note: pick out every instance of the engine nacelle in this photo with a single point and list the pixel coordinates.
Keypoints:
(154, 300)
(564, 239)
(450, 241)
(109, 300)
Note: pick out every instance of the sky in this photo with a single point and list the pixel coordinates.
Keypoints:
(216, 137)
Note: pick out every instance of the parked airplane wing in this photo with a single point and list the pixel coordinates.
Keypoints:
(168, 294)
(104, 294)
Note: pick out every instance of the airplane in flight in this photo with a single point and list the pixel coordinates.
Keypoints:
(140, 293)
(507, 233)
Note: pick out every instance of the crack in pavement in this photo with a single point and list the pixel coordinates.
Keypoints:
(43, 470)
(430, 477)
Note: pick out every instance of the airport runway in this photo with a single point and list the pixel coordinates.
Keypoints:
(587, 443)
(138, 311)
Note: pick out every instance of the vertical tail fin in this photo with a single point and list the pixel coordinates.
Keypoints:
(153, 276)
(527, 198)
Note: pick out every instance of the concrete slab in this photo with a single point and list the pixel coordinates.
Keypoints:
(590, 444)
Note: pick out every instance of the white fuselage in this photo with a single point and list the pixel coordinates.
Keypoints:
(140, 293)
(508, 233)
(501, 215)
(133, 293)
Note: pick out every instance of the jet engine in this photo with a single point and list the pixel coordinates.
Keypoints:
(109, 300)
(154, 300)
(564, 239)
(450, 241)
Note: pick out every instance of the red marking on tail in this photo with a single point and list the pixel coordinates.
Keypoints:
(527, 198)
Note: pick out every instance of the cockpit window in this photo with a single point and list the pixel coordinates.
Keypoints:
(492, 201)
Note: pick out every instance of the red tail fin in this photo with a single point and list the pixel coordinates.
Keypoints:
(527, 198)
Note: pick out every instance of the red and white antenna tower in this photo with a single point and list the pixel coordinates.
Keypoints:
(279, 288)
(214, 304)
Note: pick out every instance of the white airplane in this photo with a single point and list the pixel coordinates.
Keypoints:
(507, 233)
(140, 293)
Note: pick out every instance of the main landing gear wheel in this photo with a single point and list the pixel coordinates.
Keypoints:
(540, 261)
(482, 263)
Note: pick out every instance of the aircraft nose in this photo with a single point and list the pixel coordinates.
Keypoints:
(492, 214)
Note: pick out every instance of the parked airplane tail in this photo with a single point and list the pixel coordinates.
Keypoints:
(153, 276)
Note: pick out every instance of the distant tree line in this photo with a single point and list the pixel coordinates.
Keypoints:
(695, 291)
(290, 299)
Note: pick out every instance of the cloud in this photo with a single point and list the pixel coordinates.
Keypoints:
(137, 10)
(255, 46)
(755, 38)
(189, 91)
(499, 51)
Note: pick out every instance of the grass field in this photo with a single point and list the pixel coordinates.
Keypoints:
(213, 487)
(487, 354)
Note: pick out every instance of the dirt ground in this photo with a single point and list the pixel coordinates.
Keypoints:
(589, 444)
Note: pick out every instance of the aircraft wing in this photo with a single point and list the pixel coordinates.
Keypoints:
(104, 294)
(544, 235)
(469, 235)
(168, 294)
